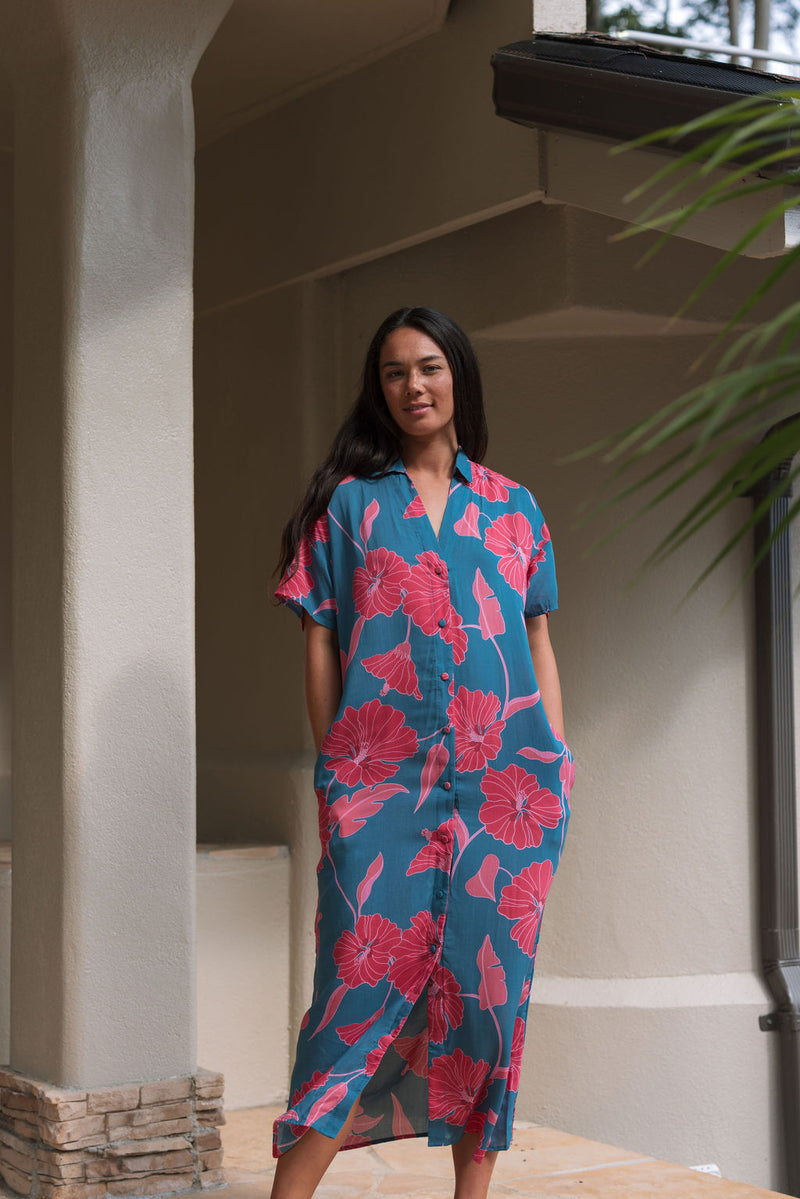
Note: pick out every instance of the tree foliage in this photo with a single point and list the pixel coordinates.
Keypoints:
(720, 20)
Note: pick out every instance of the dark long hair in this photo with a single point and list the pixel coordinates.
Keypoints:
(369, 440)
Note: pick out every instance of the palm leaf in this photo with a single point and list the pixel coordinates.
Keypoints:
(739, 422)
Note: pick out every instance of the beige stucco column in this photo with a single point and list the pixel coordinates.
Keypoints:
(559, 16)
(102, 986)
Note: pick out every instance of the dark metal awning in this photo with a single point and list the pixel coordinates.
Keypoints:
(617, 89)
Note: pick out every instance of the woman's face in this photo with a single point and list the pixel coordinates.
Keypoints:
(417, 385)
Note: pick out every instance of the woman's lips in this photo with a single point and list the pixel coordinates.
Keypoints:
(418, 407)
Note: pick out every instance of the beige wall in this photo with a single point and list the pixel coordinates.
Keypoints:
(643, 1029)
(6, 279)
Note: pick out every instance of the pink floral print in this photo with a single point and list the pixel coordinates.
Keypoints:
(478, 731)
(378, 585)
(517, 809)
(363, 955)
(396, 670)
(523, 901)
(367, 744)
(456, 1081)
(442, 796)
(511, 538)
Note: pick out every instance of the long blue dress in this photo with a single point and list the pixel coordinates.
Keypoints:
(443, 804)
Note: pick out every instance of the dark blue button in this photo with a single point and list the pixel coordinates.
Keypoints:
(443, 623)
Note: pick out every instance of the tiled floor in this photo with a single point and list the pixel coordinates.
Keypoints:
(541, 1164)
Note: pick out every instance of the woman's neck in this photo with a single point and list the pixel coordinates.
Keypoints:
(430, 458)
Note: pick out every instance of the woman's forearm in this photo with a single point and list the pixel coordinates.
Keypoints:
(546, 671)
(323, 678)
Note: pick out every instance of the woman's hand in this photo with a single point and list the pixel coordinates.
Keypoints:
(323, 676)
(546, 671)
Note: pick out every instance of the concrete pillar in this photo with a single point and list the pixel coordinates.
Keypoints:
(102, 974)
(559, 16)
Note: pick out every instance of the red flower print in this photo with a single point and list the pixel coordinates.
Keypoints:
(317, 1079)
(325, 820)
(490, 618)
(491, 485)
(427, 598)
(436, 759)
(539, 554)
(414, 1050)
(415, 508)
(296, 582)
(517, 1045)
(473, 715)
(396, 669)
(362, 956)
(493, 991)
(350, 1033)
(454, 1086)
(327, 1102)
(436, 853)
(467, 526)
(523, 900)
(516, 807)
(511, 538)
(415, 954)
(567, 774)
(481, 885)
(378, 585)
(368, 743)
(475, 1124)
(375, 1055)
(453, 634)
(427, 602)
(401, 1125)
(445, 1009)
(363, 1122)
(320, 530)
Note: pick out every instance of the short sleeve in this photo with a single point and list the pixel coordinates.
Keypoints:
(542, 591)
(308, 584)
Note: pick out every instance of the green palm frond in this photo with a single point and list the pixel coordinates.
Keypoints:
(738, 424)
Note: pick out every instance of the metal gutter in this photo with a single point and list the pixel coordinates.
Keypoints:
(777, 808)
(606, 87)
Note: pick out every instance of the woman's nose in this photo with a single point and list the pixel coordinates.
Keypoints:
(415, 382)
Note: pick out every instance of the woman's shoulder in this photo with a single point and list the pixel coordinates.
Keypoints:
(498, 488)
(352, 495)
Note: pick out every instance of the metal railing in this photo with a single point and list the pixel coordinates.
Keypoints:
(685, 43)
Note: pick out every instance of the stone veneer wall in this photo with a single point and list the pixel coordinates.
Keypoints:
(137, 1139)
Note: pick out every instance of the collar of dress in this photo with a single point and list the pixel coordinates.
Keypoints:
(463, 467)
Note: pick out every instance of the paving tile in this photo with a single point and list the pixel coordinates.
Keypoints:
(542, 1163)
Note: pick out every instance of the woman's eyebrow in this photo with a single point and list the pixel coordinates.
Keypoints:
(425, 358)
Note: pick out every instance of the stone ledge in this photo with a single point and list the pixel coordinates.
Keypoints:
(149, 1138)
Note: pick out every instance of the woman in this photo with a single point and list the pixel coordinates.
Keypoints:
(424, 582)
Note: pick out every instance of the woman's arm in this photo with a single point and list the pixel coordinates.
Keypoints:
(323, 677)
(546, 671)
